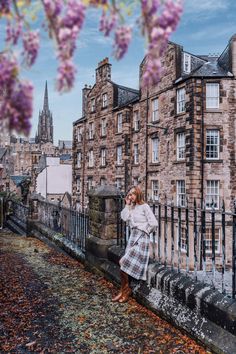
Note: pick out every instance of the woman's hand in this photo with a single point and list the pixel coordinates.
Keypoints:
(127, 200)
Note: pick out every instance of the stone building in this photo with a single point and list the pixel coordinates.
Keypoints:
(45, 123)
(176, 138)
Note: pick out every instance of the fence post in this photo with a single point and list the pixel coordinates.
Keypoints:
(33, 213)
(103, 212)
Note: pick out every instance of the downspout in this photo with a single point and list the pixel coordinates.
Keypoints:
(202, 146)
(83, 165)
(146, 133)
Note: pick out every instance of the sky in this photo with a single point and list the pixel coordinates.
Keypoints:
(205, 28)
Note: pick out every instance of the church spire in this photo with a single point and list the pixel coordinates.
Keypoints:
(45, 102)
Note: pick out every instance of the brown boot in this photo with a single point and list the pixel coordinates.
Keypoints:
(126, 288)
(124, 283)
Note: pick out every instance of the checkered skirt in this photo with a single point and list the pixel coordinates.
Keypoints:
(136, 257)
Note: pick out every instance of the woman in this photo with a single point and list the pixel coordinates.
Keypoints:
(142, 222)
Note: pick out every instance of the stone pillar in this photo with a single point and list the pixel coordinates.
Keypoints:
(103, 212)
(33, 213)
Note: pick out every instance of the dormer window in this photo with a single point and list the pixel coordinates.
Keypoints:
(187, 63)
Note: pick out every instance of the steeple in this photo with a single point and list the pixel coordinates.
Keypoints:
(45, 102)
(45, 123)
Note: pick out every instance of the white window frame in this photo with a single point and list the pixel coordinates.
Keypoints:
(91, 130)
(212, 193)
(119, 122)
(136, 154)
(104, 100)
(80, 134)
(104, 127)
(187, 63)
(103, 157)
(102, 181)
(181, 193)
(181, 100)
(90, 183)
(91, 158)
(155, 110)
(119, 155)
(212, 144)
(119, 183)
(135, 181)
(78, 185)
(93, 106)
(183, 241)
(212, 95)
(136, 121)
(208, 240)
(180, 142)
(155, 150)
(79, 159)
(155, 189)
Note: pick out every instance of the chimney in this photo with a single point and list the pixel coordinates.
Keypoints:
(103, 71)
(85, 92)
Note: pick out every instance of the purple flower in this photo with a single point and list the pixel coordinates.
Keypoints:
(107, 24)
(66, 75)
(5, 7)
(75, 14)
(31, 46)
(13, 32)
(53, 7)
(123, 36)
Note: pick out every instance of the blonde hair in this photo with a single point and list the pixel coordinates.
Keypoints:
(138, 193)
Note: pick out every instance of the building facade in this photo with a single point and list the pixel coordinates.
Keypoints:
(175, 139)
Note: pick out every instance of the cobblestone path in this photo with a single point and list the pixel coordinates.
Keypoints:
(50, 304)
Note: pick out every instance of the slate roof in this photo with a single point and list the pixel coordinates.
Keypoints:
(211, 68)
(18, 179)
(124, 95)
(65, 157)
(2, 152)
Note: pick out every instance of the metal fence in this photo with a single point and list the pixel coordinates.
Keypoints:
(200, 242)
(1, 213)
(73, 225)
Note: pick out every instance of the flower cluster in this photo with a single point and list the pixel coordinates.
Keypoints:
(159, 21)
(64, 21)
(31, 46)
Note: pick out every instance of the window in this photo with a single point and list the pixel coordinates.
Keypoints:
(155, 190)
(119, 183)
(119, 155)
(104, 100)
(119, 123)
(155, 148)
(102, 181)
(136, 154)
(212, 95)
(93, 105)
(79, 158)
(78, 187)
(155, 109)
(91, 130)
(136, 121)
(212, 194)
(183, 240)
(104, 127)
(103, 157)
(208, 240)
(135, 181)
(181, 194)
(181, 146)
(80, 132)
(187, 63)
(212, 144)
(91, 161)
(90, 183)
(181, 100)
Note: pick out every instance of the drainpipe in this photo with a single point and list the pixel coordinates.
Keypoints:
(146, 133)
(83, 164)
(202, 146)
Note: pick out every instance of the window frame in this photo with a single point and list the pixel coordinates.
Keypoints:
(79, 159)
(153, 152)
(103, 157)
(208, 241)
(209, 145)
(155, 196)
(211, 195)
(119, 149)
(180, 148)
(93, 105)
(181, 196)
(91, 158)
(180, 100)
(104, 101)
(91, 130)
(103, 127)
(119, 123)
(136, 120)
(187, 59)
(208, 97)
(136, 154)
(155, 110)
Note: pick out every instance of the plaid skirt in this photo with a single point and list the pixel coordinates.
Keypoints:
(136, 257)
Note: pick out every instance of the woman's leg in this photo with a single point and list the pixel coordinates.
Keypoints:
(124, 278)
(126, 288)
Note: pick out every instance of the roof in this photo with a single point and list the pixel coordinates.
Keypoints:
(18, 179)
(65, 144)
(211, 68)
(124, 95)
(2, 152)
(65, 157)
(80, 120)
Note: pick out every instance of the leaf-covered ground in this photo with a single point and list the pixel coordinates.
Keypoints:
(50, 304)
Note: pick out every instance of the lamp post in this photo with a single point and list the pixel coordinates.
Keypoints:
(165, 129)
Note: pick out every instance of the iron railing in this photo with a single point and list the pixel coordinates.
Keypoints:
(200, 242)
(19, 210)
(73, 225)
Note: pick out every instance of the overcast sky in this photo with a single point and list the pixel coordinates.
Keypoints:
(206, 27)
